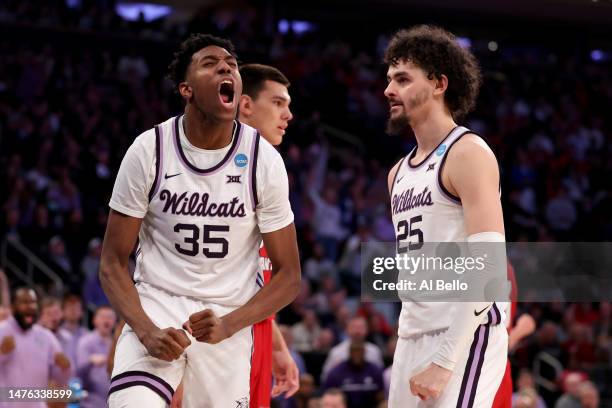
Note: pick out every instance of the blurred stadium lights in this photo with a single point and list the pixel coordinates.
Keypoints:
(73, 3)
(297, 26)
(599, 55)
(149, 11)
(493, 46)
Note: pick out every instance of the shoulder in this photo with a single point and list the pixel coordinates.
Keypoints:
(392, 173)
(470, 147)
(145, 141)
(44, 333)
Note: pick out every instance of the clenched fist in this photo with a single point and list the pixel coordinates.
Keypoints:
(166, 344)
(430, 383)
(206, 327)
(7, 345)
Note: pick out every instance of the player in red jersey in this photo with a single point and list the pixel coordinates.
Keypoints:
(524, 326)
(264, 105)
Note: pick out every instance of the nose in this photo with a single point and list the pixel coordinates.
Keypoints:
(288, 115)
(389, 91)
(223, 67)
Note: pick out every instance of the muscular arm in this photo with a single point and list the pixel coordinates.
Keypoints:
(472, 174)
(119, 240)
(282, 250)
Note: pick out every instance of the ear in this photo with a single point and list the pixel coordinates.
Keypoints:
(440, 85)
(185, 91)
(246, 105)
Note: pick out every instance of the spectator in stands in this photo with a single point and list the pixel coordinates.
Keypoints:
(51, 318)
(306, 332)
(361, 381)
(571, 396)
(589, 395)
(525, 383)
(92, 356)
(333, 398)
(72, 313)
(93, 294)
(357, 331)
(30, 356)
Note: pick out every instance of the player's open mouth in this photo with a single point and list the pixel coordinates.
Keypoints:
(226, 92)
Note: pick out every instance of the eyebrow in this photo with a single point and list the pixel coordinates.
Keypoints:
(397, 74)
(216, 58)
(282, 98)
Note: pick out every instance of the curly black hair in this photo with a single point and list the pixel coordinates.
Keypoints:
(437, 52)
(182, 58)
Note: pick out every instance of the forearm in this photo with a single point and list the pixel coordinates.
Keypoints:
(278, 342)
(123, 297)
(279, 292)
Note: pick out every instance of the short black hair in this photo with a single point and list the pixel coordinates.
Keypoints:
(177, 69)
(254, 76)
(437, 52)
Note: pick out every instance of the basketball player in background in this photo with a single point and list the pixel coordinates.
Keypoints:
(200, 191)
(448, 354)
(264, 105)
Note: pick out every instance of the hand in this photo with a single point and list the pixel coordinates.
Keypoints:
(525, 325)
(62, 361)
(206, 327)
(286, 374)
(7, 345)
(98, 359)
(430, 383)
(166, 344)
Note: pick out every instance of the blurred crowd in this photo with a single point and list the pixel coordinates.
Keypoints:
(70, 112)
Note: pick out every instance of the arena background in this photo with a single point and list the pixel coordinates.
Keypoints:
(79, 80)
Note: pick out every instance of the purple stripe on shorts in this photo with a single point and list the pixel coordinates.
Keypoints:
(471, 373)
(141, 380)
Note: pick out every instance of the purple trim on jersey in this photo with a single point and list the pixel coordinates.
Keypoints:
(253, 183)
(399, 168)
(473, 368)
(441, 187)
(413, 153)
(134, 378)
(159, 156)
(497, 313)
(237, 134)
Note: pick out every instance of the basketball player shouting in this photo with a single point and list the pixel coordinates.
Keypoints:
(200, 191)
(448, 354)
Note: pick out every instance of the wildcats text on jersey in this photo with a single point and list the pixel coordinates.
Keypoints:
(195, 204)
(407, 200)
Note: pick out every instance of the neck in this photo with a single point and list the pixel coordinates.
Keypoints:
(204, 132)
(430, 130)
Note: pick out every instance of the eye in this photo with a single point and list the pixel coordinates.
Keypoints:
(208, 64)
(277, 103)
(233, 64)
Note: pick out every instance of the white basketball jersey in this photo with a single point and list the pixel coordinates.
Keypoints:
(420, 203)
(200, 236)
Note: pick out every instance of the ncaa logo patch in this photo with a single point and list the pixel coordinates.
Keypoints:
(241, 160)
(440, 151)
